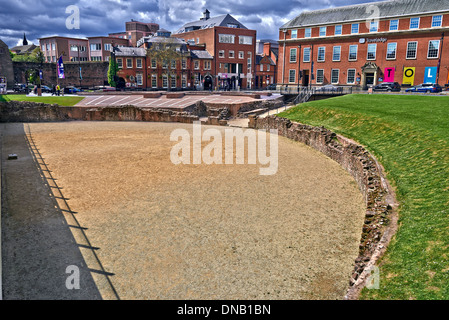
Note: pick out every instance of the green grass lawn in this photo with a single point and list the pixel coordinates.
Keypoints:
(67, 101)
(409, 135)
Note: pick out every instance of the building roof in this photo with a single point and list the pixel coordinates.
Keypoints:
(387, 9)
(219, 21)
(130, 52)
(259, 58)
(23, 49)
(200, 54)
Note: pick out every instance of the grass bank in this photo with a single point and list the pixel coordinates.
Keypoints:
(66, 101)
(409, 135)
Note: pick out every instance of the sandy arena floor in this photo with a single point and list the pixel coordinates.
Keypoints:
(139, 227)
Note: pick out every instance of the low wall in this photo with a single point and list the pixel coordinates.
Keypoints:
(380, 218)
(23, 111)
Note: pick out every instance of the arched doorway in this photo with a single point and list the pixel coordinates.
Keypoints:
(208, 83)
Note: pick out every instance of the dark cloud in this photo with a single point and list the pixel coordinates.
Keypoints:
(40, 18)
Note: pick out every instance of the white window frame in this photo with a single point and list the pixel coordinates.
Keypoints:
(323, 31)
(413, 19)
(137, 63)
(440, 21)
(317, 78)
(339, 53)
(374, 26)
(341, 30)
(407, 50)
(226, 38)
(294, 34)
(324, 54)
(308, 55)
(355, 76)
(368, 51)
(241, 54)
(139, 79)
(395, 50)
(231, 54)
(128, 65)
(290, 73)
(221, 54)
(438, 52)
(154, 81)
(120, 63)
(356, 52)
(338, 76)
(164, 80)
(352, 28)
(396, 25)
(295, 55)
(246, 40)
(307, 32)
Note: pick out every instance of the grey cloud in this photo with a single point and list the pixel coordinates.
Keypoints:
(40, 18)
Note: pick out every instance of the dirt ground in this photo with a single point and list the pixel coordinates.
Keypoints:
(140, 227)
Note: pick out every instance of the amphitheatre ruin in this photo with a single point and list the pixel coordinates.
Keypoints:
(93, 188)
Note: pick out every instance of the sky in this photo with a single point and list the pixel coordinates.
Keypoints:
(43, 18)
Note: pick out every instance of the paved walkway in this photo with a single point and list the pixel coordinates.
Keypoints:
(161, 102)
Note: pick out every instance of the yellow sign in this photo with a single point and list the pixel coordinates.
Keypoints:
(409, 76)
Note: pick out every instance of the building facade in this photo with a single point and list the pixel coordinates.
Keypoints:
(231, 45)
(265, 72)
(407, 42)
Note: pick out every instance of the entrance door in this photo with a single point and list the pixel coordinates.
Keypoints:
(305, 78)
(369, 79)
(207, 83)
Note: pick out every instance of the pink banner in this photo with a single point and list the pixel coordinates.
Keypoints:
(389, 75)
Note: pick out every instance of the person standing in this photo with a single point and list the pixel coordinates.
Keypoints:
(53, 90)
(58, 90)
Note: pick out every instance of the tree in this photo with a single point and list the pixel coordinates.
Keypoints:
(112, 72)
(36, 56)
(166, 52)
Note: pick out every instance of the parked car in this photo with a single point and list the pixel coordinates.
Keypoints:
(46, 89)
(70, 89)
(19, 87)
(271, 86)
(388, 86)
(426, 87)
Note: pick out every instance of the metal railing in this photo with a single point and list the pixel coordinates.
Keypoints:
(328, 90)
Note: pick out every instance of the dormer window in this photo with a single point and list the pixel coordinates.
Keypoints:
(233, 25)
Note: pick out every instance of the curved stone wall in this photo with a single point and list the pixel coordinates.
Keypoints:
(380, 218)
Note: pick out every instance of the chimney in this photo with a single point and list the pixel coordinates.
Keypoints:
(267, 49)
(206, 15)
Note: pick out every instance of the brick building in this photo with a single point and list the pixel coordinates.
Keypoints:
(136, 30)
(71, 49)
(181, 66)
(100, 47)
(265, 72)
(231, 46)
(345, 46)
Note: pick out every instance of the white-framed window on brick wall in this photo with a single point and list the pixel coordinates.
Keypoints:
(351, 76)
(291, 76)
(320, 76)
(293, 55)
(412, 49)
(434, 49)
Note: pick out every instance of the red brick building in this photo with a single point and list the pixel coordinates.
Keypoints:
(188, 69)
(265, 73)
(231, 46)
(135, 30)
(407, 43)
